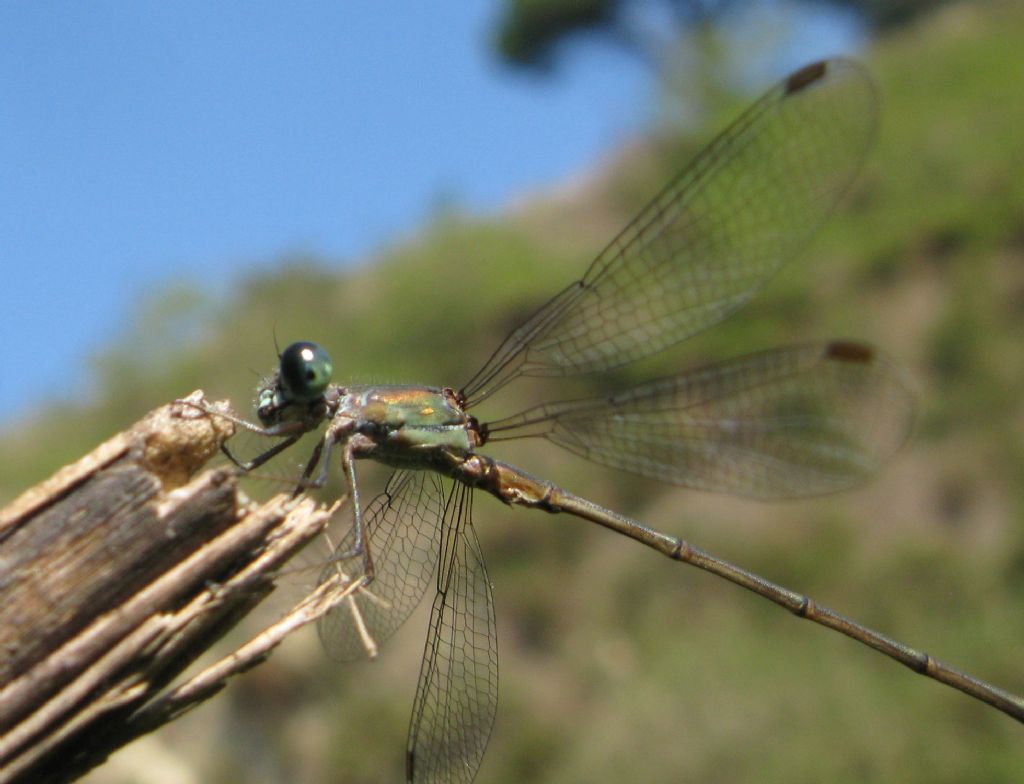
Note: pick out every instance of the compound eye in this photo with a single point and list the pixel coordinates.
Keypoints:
(305, 371)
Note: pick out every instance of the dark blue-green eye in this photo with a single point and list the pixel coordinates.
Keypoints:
(305, 371)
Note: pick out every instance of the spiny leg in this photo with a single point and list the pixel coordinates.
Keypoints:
(263, 457)
(291, 432)
(322, 454)
(362, 545)
(319, 450)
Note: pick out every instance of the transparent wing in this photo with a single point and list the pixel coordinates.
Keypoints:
(706, 244)
(457, 695)
(786, 423)
(402, 525)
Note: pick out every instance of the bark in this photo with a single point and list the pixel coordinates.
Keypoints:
(118, 572)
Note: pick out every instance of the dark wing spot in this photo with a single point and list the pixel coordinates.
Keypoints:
(807, 75)
(849, 352)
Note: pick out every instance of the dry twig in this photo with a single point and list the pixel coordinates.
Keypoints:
(116, 574)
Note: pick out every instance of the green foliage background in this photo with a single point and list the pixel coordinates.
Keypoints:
(615, 664)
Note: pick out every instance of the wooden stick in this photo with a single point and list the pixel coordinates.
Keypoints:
(118, 572)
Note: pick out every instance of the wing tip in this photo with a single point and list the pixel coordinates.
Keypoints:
(410, 765)
(849, 351)
(806, 76)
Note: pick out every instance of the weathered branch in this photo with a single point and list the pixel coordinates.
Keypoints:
(116, 574)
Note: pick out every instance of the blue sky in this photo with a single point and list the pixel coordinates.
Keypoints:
(145, 143)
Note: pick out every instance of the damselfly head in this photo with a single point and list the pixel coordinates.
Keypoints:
(302, 377)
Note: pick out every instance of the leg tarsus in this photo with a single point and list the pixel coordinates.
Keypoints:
(263, 457)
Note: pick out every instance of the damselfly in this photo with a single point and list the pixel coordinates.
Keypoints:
(791, 422)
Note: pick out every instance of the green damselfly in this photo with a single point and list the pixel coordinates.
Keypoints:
(786, 423)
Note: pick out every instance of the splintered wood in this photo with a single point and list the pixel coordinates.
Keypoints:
(116, 573)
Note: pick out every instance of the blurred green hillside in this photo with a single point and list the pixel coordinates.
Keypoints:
(615, 664)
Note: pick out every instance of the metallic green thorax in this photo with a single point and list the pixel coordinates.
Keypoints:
(407, 423)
